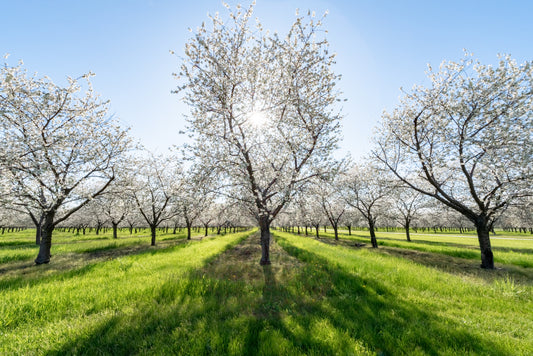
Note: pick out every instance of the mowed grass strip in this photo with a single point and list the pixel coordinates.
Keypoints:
(53, 309)
(397, 306)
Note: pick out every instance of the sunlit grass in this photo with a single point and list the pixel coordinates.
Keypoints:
(211, 296)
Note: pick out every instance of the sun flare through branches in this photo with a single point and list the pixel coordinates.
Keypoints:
(257, 118)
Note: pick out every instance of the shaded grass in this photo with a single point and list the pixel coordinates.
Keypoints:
(230, 306)
(461, 266)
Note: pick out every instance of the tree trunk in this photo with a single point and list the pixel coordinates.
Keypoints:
(38, 232)
(336, 230)
(115, 228)
(264, 224)
(317, 234)
(407, 223)
(46, 240)
(483, 229)
(372, 234)
(350, 230)
(188, 231)
(153, 231)
(206, 230)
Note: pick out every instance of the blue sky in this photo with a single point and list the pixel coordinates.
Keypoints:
(380, 45)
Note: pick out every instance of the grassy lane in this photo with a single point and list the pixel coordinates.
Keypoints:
(506, 251)
(397, 306)
(55, 308)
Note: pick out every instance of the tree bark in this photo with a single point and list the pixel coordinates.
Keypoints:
(38, 225)
(483, 230)
(336, 230)
(372, 234)
(153, 231)
(264, 224)
(38, 232)
(188, 231)
(115, 228)
(46, 240)
(407, 224)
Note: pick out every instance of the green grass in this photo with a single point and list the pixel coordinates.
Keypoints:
(20, 246)
(211, 297)
(52, 308)
(414, 308)
(508, 249)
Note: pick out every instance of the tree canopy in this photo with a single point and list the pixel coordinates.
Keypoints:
(263, 113)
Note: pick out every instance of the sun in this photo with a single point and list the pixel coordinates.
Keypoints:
(257, 118)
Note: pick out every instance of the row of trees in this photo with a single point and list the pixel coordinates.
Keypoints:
(349, 200)
(362, 198)
(264, 123)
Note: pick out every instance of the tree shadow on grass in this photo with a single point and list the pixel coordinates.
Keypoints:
(454, 263)
(473, 246)
(16, 244)
(461, 266)
(294, 307)
(465, 260)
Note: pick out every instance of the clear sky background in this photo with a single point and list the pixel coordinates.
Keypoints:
(380, 45)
